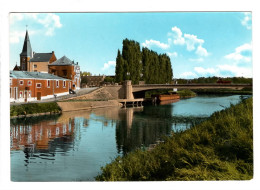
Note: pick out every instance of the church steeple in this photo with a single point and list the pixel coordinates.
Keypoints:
(27, 49)
(26, 54)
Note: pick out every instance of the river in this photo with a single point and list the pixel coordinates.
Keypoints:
(75, 145)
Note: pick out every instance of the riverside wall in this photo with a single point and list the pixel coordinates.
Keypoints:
(85, 105)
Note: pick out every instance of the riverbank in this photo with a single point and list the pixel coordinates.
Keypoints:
(186, 93)
(84, 105)
(34, 109)
(220, 148)
(38, 109)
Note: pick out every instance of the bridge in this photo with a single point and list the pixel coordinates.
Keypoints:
(134, 94)
(138, 91)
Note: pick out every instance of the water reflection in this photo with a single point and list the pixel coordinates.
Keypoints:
(42, 139)
(139, 127)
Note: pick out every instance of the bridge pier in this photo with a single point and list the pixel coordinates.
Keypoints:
(128, 89)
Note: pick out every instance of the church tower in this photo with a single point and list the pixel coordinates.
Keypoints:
(26, 54)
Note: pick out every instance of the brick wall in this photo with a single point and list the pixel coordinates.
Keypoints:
(43, 87)
(38, 66)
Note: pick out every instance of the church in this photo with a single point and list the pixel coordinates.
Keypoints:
(41, 76)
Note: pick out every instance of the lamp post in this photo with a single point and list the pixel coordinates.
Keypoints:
(128, 75)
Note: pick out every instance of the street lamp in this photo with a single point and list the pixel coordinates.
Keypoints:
(128, 74)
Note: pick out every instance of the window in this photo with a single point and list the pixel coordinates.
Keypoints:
(64, 72)
(48, 83)
(64, 84)
(29, 83)
(57, 83)
(20, 94)
(34, 66)
(21, 82)
(38, 85)
(29, 94)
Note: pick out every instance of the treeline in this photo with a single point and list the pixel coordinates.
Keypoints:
(214, 79)
(146, 65)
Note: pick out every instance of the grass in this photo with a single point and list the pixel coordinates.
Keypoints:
(220, 148)
(186, 93)
(33, 108)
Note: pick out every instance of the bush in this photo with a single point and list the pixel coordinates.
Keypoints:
(33, 108)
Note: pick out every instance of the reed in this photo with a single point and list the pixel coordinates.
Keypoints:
(220, 148)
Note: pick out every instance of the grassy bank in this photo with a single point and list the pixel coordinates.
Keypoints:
(220, 148)
(186, 93)
(34, 108)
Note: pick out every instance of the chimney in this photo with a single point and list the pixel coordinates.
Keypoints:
(52, 52)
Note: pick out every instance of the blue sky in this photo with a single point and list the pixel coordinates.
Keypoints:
(200, 44)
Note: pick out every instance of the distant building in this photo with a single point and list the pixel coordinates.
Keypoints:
(29, 86)
(92, 81)
(66, 68)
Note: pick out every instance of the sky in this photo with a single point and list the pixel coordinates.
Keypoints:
(200, 44)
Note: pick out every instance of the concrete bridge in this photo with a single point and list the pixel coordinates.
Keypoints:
(129, 93)
(138, 91)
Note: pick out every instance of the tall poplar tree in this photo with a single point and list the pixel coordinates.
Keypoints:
(132, 63)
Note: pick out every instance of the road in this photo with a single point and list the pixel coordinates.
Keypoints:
(78, 93)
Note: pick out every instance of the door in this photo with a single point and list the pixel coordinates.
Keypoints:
(38, 95)
(25, 95)
(15, 93)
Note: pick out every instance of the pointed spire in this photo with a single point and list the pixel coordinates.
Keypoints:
(27, 49)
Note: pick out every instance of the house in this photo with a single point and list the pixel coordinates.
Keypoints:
(68, 69)
(30, 86)
(40, 62)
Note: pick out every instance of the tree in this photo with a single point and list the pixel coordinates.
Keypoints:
(133, 64)
(119, 68)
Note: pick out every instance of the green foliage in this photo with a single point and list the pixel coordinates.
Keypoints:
(220, 148)
(145, 65)
(83, 77)
(214, 79)
(32, 108)
(186, 93)
(109, 79)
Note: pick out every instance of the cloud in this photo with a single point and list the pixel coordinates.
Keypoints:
(50, 23)
(235, 70)
(16, 36)
(203, 71)
(191, 41)
(225, 70)
(242, 53)
(173, 54)
(177, 34)
(108, 65)
(149, 43)
(45, 23)
(202, 51)
(247, 20)
(188, 75)
(197, 60)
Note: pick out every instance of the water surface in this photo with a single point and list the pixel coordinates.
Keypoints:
(73, 146)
